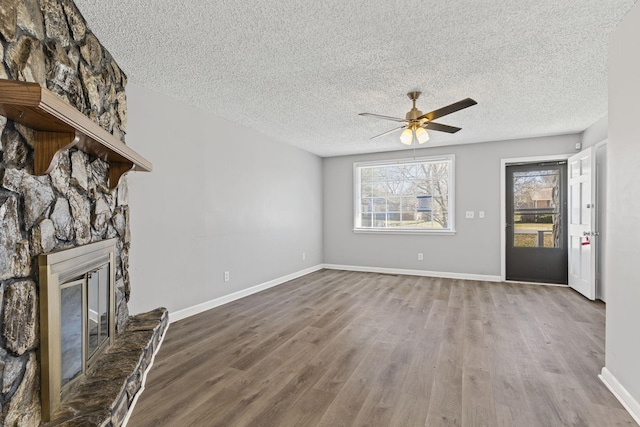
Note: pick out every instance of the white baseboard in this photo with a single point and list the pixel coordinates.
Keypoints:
(199, 308)
(630, 404)
(144, 379)
(445, 275)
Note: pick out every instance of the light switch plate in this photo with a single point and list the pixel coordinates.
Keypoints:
(469, 215)
(480, 214)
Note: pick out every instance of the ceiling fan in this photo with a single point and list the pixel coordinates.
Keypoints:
(416, 123)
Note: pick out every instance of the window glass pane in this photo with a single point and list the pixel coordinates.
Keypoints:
(366, 205)
(366, 189)
(393, 218)
(409, 217)
(409, 188)
(539, 230)
(378, 174)
(425, 220)
(414, 195)
(379, 220)
(423, 187)
(379, 189)
(393, 204)
(409, 204)
(395, 188)
(379, 205)
(536, 216)
(395, 173)
(365, 174)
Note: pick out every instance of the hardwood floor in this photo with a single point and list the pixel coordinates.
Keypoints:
(338, 348)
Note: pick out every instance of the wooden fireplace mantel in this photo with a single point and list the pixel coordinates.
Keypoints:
(59, 126)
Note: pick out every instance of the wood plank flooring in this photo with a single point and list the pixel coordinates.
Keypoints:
(337, 348)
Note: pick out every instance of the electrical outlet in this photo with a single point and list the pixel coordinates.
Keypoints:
(469, 215)
(226, 276)
(304, 256)
(420, 256)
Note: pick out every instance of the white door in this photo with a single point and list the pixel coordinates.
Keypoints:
(581, 205)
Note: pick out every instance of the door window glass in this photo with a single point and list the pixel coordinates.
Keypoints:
(536, 209)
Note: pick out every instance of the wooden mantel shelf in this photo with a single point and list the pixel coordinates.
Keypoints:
(59, 126)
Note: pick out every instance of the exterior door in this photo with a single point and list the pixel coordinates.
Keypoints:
(536, 233)
(582, 253)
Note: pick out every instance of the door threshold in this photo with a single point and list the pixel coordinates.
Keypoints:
(520, 282)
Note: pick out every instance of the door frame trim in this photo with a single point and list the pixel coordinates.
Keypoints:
(503, 199)
(601, 188)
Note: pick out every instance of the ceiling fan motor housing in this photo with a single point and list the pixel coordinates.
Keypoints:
(414, 113)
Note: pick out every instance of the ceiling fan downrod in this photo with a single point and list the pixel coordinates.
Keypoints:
(414, 113)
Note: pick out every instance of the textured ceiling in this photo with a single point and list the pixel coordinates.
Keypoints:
(301, 71)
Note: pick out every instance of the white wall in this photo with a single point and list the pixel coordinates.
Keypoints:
(623, 210)
(221, 198)
(474, 250)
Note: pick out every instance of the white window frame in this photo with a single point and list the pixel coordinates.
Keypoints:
(398, 230)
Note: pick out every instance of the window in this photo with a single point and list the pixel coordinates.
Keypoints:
(405, 196)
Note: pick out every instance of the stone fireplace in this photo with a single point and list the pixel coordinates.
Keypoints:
(47, 42)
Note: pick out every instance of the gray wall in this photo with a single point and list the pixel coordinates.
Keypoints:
(474, 250)
(623, 207)
(221, 198)
(596, 133)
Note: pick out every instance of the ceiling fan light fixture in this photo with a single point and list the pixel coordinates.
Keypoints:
(406, 137)
(414, 122)
(422, 135)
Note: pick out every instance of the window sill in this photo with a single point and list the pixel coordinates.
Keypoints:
(404, 231)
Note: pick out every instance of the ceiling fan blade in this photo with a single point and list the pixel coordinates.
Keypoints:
(395, 119)
(388, 132)
(441, 128)
(456, 106)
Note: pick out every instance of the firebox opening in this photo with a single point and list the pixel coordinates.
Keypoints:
(84, 322)
(77, 315)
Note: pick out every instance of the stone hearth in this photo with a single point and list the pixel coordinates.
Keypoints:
(104, 396)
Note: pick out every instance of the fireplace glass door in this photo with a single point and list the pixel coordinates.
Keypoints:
(98, 315)
(71, 336)
(84, 321)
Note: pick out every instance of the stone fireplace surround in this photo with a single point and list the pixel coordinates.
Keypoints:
(48, 42)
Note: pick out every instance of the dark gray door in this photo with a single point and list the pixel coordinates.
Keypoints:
(537, 223)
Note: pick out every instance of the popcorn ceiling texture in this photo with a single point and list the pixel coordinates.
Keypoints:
(301, 71)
